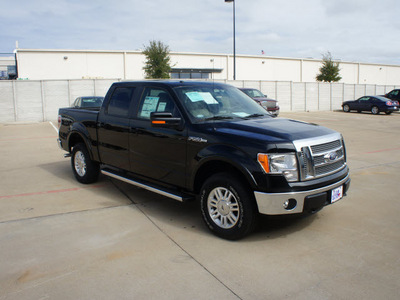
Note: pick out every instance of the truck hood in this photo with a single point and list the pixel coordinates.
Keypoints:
(272, 129)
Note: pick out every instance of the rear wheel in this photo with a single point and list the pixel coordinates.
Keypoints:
(346, 108)
(375, 110)
(388, 112)
(85, 170)
(228, 207)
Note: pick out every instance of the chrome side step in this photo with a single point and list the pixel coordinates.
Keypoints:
(143, 186)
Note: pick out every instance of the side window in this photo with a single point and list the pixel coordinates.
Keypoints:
(120, 101)
(156, 100)
(76, 102)
(364, 99)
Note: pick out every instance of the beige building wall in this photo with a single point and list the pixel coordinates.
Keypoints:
(128, 65)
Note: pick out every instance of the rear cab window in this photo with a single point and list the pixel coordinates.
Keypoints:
(120, 102)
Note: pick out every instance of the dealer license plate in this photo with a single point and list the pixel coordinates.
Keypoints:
(337, 194)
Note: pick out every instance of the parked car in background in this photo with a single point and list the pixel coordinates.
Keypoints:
(374, 104)
(268, 104)
(87, 102)
(393, 95)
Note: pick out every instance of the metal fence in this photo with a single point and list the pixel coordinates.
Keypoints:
(39, 100)
(313, 96)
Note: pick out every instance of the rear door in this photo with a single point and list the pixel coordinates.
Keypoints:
(157, 152)
(113, 127)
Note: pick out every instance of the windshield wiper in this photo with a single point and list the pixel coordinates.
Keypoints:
(254, 116)
(218, 118)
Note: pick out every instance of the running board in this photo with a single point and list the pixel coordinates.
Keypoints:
(168, 194)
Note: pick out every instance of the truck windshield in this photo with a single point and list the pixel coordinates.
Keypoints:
(219, 102)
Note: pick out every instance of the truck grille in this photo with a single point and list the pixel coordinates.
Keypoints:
(321, 156)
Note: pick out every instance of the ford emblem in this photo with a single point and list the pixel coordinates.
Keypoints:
(331, 157)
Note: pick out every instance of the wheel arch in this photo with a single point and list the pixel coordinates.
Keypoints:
(76, 137)
(220, 165)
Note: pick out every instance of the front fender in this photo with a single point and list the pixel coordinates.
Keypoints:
(212, 155)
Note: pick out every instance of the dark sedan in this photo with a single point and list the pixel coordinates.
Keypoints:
(374, 104)
(88, 102)
(270, 105)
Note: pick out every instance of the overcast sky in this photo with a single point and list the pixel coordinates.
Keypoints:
(352, 30)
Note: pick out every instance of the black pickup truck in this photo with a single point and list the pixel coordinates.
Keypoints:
(207, 141)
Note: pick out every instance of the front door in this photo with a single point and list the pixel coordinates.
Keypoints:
(157, 153)
(363, 104)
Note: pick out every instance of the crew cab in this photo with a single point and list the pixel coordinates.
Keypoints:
(209, 142)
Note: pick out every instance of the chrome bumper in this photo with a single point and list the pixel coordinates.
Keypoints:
(273, 203)
(59, 143)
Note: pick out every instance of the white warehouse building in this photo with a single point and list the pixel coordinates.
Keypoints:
(42, 64)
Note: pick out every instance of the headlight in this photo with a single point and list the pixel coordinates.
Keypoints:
(285, 164)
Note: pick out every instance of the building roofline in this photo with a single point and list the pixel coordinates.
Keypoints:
(201, 54)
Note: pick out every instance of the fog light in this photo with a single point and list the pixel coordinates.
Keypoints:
(289, 204)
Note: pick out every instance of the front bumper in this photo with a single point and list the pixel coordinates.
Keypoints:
(273, 203)
(273, 111)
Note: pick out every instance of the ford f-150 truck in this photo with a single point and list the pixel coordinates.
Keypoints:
(207, 141)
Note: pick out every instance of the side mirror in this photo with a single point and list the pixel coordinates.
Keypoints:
(265, 96)
(164, 119)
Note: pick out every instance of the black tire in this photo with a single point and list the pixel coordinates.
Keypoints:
(85, 170)
(375, 110)
(228, 207)
(346, 108)
(388, 112)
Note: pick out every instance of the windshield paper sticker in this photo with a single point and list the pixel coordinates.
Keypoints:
(241, 114)
(201, 96)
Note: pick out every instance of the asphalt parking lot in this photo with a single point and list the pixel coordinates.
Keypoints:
(63, 240)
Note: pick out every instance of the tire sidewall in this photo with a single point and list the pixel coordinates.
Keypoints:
(247, 211)
(92, 168)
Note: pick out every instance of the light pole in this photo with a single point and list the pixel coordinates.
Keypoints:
(234, 40)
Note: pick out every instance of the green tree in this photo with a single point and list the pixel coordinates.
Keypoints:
(157, 63)
(329, 72)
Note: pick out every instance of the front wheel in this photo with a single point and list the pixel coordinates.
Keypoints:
(85, 170)
(228, 207)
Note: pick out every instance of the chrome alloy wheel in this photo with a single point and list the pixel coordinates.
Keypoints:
(375, 110)
(223, 207)
(80, 163)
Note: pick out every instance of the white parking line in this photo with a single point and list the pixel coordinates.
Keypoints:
(55, 128)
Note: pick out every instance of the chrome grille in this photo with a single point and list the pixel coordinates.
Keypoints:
(326, 147)
(325, 169)
(319, 157)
